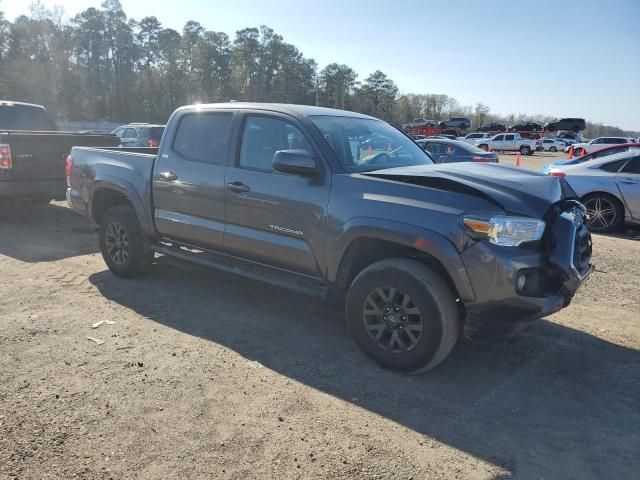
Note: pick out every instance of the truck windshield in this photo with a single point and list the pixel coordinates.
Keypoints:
(24, 117)
(363, 144)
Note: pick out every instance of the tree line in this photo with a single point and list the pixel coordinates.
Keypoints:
(103, 66)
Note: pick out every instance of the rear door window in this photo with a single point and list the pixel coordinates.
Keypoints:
(130, 133)
(204, 137)
(633, 166)
(613, 167)
(509, 138)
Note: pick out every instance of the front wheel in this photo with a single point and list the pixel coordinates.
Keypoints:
(403, 315)
(484, 147)
(123, 247)
(553, 149)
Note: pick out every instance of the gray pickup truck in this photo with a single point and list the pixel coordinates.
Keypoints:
(295, 195)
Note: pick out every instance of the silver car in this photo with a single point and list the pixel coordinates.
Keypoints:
(609, 188)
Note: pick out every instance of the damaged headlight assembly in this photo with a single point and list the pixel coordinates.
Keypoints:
(504, 230)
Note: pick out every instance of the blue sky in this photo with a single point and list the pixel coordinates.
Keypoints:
(563, 58)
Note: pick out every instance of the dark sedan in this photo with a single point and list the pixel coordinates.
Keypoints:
(493, 127)
(526, 127)
(451, 151)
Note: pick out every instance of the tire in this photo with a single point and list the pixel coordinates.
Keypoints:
(406, 286)
(611, 212)
(525, 150)
(123, 247)
(484, 147)
(553, 149)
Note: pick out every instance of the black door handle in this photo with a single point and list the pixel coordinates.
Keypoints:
(238, 187)
(168, 176)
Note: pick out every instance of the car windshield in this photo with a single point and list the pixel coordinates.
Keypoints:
(363, 144)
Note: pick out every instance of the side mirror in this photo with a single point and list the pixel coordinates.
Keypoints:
(297, 162)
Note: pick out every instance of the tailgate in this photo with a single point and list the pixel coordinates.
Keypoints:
(41, 156)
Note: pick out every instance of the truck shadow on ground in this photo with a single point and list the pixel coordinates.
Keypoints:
(553, 403)
(43, 234)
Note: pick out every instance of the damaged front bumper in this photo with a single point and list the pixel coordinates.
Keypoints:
(514, 286)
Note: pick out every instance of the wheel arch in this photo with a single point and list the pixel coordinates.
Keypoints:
(107, 193)
(365, 241)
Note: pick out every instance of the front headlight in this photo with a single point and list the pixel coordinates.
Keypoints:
(506, 231)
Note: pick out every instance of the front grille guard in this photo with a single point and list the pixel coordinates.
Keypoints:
(571, 246)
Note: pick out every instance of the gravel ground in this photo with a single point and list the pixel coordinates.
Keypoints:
(204, 375)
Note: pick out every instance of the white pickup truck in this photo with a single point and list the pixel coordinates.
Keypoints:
(508, 142)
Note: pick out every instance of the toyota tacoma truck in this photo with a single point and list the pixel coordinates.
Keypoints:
(508, 142)
(418, 252)
(33, 152)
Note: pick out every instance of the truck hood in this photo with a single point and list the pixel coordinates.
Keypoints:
(516, 190)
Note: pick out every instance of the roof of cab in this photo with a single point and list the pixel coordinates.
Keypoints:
(10, 103)
(291, 109)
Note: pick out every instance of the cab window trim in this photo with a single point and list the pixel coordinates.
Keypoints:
(275, 116)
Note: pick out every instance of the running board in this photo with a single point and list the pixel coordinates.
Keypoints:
(244, 268)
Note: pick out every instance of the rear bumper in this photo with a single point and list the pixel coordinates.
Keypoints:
(75, 202)
(501, 308)
(52, 188)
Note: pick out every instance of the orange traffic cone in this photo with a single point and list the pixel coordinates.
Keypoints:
(571, 151)
(369, 151)
(518, 159)
(583, 153)
(389, 147)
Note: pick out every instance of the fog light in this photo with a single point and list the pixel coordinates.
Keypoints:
(521, 282)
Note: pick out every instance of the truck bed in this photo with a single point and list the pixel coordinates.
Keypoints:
(40, 157)
(134, 166)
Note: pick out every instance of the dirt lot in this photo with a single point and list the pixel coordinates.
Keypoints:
(208, 376)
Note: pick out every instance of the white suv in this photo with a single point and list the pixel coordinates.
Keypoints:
(598, 143)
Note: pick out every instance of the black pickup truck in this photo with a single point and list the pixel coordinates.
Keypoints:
(417, 251)
(33, 153)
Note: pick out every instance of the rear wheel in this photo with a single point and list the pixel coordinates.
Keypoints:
(484, 147)
(123, 247)
(553, 149)
(403, 315)
(605, 213)
(525, 150)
